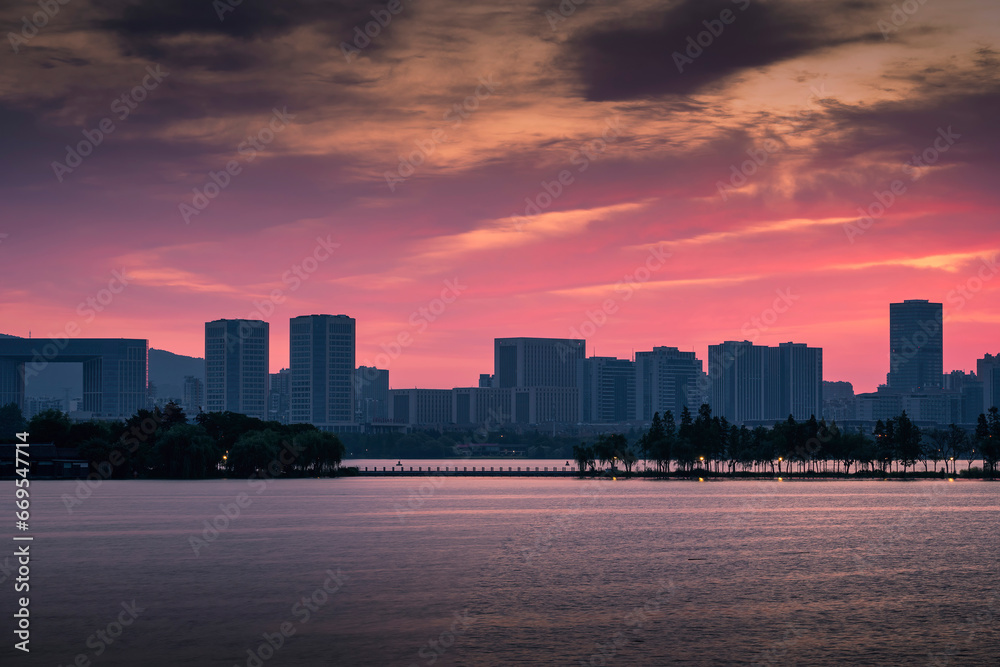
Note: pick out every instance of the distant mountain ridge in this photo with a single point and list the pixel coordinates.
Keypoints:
(167, 371)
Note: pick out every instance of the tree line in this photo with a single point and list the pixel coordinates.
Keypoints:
(165, 443)
(710, 443)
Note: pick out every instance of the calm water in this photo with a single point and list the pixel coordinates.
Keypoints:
(474, 571)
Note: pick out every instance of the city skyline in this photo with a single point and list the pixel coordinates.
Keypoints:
(848, 164)
(387, 352)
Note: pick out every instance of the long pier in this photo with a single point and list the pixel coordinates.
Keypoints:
(468, 471)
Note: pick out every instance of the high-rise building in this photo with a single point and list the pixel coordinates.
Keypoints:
(916, 359)
(606, 389)
(800, 381)
(279, 395)
(236, 367)
(544, 371)
(759, 383)
(194, 394)
(371, 394)
(988, 371)
(536, 362)
(322, 351)
(666, 379)
(838, 401)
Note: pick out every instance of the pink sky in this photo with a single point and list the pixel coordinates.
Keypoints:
(832, 109)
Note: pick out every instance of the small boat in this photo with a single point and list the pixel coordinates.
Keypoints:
(399, 463)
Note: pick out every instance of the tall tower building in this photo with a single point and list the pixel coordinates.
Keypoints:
(236, 365)
(607, 390)
(666, 379)
(742, 378)
(194, 394)
(916, 360)
(543, 373)
(279, 394)
(988, 371)
(371, 393)
(322, 351)
(800, 381)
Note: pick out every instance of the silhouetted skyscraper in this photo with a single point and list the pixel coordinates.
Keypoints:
(194, 394)
(322, 351)
(916, 359)
(371, 395)
(544, 373)
(280, 395)
(236, 367)
(607, 390)
(988, 371)
(759, 383)
(666, 379)
(800, 381)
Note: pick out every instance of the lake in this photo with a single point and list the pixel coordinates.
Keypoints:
(522, 571)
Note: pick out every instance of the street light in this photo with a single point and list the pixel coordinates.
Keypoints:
(779, 464)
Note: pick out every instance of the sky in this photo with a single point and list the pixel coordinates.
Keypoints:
(636, 173)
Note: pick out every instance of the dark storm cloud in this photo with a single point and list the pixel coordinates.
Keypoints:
(656, 57)
(144, 28)
(965, 100)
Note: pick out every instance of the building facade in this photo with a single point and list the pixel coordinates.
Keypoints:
(666, 378)
(607, 390)
(420, 407)
(322, 352)
(279, 396)
(916, 358)
(759, 383)
(371, 394)
(115, 371)
(194, 394)
(988, 372)
(236, 367)
(544, 373)
(536, 362)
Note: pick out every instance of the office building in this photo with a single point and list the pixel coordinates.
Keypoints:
(916, 359)
(666, 378)
(759, 383)
(483, 406)
(421, 407)
(800, 381)
(115, 371)
(988, 372)
(236, 367)
(606, 390)
(937, 406)
(371, 394)
(279, 396)
(194, 394)
(322, 351)
(536, 362)
(544, 373)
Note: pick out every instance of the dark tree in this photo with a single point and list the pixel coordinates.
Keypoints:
(957, 446)
(12, 422)
(50, 426)
(907, 441)
(187, 452)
